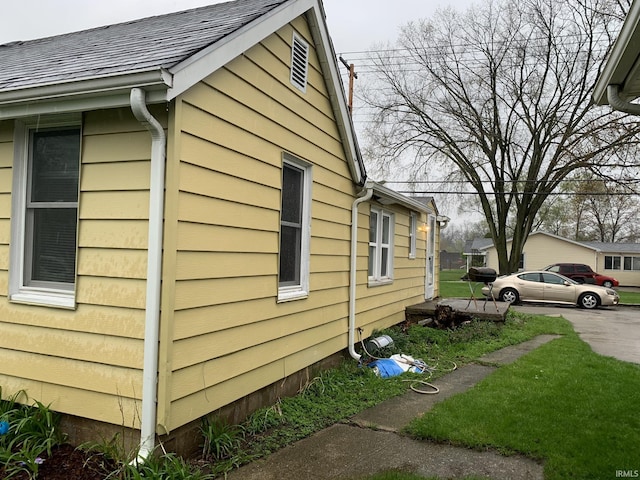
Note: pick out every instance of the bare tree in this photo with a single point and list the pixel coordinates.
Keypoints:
(501, 96)
(610, 210)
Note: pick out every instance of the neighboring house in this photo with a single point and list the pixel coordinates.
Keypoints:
(451, 260)
(618, 260)
(186, 222)
(474, 252)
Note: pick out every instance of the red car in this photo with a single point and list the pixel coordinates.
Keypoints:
(582, 274)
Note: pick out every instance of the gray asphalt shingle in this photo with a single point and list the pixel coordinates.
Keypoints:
(146, 44)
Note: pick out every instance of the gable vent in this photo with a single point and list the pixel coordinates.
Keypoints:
(299, 63)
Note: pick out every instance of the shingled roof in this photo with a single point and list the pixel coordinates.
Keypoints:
(164, 55)
(159, 42)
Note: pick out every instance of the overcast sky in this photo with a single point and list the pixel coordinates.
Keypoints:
(354, 25)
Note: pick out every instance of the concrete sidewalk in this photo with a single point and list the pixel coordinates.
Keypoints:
(369, 443)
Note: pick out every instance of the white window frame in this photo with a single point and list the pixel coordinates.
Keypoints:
(288, 292)
(59, 295)
(631, 263)
(615, 265)
(413, 232)
(377, 246)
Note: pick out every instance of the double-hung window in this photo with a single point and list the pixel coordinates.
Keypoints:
(612, 262)
(45, 213)
(295, 217)
(380, 246)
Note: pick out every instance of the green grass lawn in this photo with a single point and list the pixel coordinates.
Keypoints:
(561, 403)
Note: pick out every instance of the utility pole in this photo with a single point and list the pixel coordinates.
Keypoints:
(352, 75)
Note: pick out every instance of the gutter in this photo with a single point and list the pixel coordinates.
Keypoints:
(365, 195)
(617, 103)
(158, 79)
(154, 271)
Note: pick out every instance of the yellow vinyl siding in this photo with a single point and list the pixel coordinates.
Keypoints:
(114, 205)
(85, 319)
(202, 265)
(198, 350)
(200, 321)
(200, 237)
(88, 361)
(124, 176)
(235, 126)
(114, 233)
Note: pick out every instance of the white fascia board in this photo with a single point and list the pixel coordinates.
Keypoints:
(623, 57)
(83, 95)
(390, 197)
(337, 96)
(199, 66)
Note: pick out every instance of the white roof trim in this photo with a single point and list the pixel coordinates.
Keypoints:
(337, 96)
(557, 237)
(189, 72)
(390, 197)
(86, 94)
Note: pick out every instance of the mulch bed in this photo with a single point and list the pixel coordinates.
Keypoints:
(68, 463)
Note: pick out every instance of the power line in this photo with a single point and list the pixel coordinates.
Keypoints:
(565, 194)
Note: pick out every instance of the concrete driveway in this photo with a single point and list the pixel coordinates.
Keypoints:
(611, 331)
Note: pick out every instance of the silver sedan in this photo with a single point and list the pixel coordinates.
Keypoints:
(540, 286)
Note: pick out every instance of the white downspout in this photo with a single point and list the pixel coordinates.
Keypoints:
(367, 193)
(154, 271)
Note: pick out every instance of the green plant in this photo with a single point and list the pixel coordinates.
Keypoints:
(164, 467)
(221, 439)
(32, 431)
(119, 464)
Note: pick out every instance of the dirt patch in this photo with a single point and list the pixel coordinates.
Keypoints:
(69, 463)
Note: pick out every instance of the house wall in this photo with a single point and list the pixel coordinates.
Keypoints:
(627, 278)
(224, 335)
(88, 361)
(541, 250)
